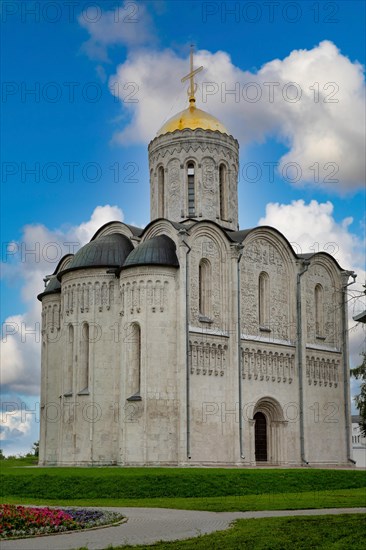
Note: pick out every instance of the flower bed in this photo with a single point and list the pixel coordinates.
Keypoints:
(24, 521)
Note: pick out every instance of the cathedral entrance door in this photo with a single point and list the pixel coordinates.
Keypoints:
(260, 437)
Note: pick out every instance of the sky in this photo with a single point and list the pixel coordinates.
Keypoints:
(87, 84)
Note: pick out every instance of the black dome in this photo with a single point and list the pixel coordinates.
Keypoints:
(107, 251)
(159, 250)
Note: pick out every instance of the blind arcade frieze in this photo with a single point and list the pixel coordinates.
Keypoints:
(264, 365)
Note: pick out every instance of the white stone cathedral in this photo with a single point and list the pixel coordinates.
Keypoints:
(191, 342)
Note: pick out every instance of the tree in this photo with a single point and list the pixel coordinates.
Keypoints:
(360, 374)
(35, 448)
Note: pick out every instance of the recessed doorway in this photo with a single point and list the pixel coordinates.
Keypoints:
(260, 437)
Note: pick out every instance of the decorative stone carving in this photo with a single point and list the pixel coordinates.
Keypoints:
(136, 295)
(322, 371)
(174, 198)
(258, 363)
(51, 318)
(207, 358)
(329, 332)
(208, 189)
(206, 247)
(232, 213)
(82, 296)
(262, 256)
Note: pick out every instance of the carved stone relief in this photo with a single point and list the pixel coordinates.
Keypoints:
(260, 256)
(207, 358)
(322, 371)
(209, 196)
(135, 294)
(329, 332)
(174, 198)
(260, 364)
(233, 193)
(83, 296)
(206, 247)
(51, 317)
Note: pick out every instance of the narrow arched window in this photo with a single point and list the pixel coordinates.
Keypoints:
(319, 311)
(204, 291)
(135, 366)
(223, 191)
(191, 189)
(263, 300)
(69, 360)
(161, 192)
(85, 352)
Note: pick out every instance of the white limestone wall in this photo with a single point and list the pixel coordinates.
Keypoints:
(51, 373)
(207, 243)
(324, 381)
(322, 273)
(89, 412)
(214, 411)
(213, 397)
(270, 386)
(149, 428)
(269, 355)
(265, 252)
(324, 409)
(114, 421)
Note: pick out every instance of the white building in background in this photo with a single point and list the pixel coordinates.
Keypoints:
(192, 342)
(358, 443)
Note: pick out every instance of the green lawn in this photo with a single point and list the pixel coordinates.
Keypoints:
(344, 532)
(215, 489)
(153, 483)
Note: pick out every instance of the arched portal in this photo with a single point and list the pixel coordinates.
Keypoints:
(260, 437)
(268, 441)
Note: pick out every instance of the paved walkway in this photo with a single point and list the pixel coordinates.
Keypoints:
(148, 525)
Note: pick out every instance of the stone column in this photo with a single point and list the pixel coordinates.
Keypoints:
(251, 442)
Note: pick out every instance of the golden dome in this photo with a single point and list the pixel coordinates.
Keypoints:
(192, 118)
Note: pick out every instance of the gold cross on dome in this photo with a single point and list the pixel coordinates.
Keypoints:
(192, 84)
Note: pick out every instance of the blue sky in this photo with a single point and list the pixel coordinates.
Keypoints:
(73, 54)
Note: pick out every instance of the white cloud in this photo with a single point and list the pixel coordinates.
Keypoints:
(325, 126)
(128, 25)
(312, 228)
(100, 216)
(20, 353)
(37, 255)
(14, 422)
(19, 424)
